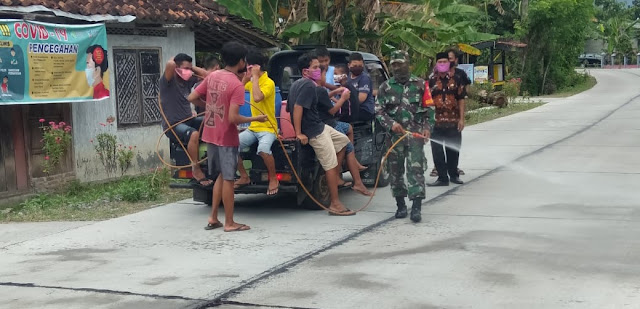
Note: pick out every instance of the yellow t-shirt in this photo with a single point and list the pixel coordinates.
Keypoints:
(267, 105)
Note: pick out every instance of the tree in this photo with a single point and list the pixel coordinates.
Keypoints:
(553, 43)
(427, 28)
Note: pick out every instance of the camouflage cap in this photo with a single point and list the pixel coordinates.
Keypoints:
(400, 56)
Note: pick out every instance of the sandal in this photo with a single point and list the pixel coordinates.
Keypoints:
(240, 228)
(344, 213)
(434, 173)
(346, 184)
(213, 226)
(203, 182)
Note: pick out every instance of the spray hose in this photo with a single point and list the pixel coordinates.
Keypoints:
(171, 127)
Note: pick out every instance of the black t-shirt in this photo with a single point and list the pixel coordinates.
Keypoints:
(303, 93)
(463, 76)
(173, 94)
(324, 105)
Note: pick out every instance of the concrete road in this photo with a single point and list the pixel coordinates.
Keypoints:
(547, 219)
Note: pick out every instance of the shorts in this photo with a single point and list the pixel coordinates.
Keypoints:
(185, 129)
(222, 159)
(264, 140)
(343, 128)
(327, 145)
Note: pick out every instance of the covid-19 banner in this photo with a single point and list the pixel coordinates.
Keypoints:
(52, 63)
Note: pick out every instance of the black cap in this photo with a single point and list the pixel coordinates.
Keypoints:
(442, 55)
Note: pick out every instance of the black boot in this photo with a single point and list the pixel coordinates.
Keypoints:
(415, 211)
(402, 208)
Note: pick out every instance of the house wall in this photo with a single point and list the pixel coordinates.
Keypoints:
(87, 116)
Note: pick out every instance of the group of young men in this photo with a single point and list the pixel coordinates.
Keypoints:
(322, 104)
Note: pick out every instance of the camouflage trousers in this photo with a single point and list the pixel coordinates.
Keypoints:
(411, 151)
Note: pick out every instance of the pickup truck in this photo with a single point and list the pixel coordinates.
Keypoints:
(370, 141)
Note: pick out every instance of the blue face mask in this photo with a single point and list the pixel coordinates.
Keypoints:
(89, 73)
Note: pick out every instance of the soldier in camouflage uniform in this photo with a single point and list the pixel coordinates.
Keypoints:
(399, 107)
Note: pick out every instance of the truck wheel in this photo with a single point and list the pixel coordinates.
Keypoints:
(319, 190)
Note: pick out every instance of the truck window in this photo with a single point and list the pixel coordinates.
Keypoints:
(290, 74)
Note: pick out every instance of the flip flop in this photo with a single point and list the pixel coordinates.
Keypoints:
(346, 184)
(460, 172)
(274, 191)
(199, 182)
(434, 173)
(344, 213)
(213, 226)
(240, 185)
(240, 228)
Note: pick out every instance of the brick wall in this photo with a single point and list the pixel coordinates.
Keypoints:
(50, 183)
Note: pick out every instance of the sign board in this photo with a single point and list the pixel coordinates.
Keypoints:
(481, 74)
(52, 63)
(467, 68)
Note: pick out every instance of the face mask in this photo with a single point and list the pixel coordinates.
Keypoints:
(357, 70)
(314, 75)
(401, 74)
(338, 77)
(185, 74)
(89, 73)
(443, 67)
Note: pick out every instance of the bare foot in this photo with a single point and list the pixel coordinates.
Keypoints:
(237, 227)
(243, 181)
(360, 188)
(362, 168)
(273, 187)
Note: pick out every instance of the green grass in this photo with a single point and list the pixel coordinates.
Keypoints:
(589, 82)
(484, 115)
(90, 202)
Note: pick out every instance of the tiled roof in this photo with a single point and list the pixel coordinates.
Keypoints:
(213, 25)
(174, 11)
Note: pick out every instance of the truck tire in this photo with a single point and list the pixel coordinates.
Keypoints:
(319, 190)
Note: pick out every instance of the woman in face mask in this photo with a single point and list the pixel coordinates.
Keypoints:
(97, 64)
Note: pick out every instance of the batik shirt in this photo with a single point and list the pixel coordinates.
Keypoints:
(446, 92)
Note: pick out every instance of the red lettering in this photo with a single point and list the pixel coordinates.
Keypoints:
(44, 34)
(33, 30)
(63, 33)
(25, 31)
(16, 29)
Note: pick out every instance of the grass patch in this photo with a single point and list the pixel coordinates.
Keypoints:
(482, 113)
(90, 202)
(587, 84)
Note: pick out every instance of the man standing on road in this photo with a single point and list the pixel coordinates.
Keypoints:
(399, 107)
(175, 85)
(224, 93)
(448, 93)
(461, 75)
(263, 99)
(328, 144)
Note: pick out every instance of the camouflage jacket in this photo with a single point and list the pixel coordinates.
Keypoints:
(403, 104)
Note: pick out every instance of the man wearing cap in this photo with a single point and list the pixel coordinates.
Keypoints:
(448, 93)
(399, 108)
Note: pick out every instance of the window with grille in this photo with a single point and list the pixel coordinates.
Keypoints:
(137, 74)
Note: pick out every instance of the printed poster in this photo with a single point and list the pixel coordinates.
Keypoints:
(52, 63)
(467, 68)
(481, 74)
